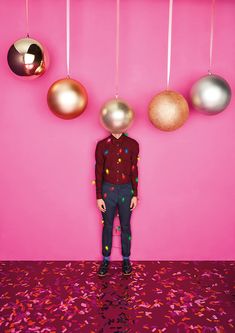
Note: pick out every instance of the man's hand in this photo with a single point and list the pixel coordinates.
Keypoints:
(134, 201)
(101, 205)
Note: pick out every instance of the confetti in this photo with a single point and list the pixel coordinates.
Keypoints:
(159, 297)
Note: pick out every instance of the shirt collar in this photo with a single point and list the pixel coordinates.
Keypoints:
(115, 139)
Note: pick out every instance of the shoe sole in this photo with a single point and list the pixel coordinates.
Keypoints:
(126, 273)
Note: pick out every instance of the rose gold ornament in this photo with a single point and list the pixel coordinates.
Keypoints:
(27, 58)
(67, 98)
(116, 115)
(168, 110)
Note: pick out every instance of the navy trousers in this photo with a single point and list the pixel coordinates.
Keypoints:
(116, 196)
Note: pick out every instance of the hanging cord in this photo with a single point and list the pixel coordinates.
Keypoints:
(27, 16)
(169, 43)
(68, 36)
(211, 34)
(117, 48)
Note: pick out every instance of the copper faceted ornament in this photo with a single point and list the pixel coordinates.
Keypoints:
(67, 98)
(27, 58)
(116, 116)
(168, 110)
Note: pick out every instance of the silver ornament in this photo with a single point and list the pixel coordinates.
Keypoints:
(116, 116)
(211, 94)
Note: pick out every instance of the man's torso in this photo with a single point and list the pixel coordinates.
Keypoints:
(117, 158)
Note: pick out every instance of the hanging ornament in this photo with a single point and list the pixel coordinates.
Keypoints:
(211, 94)
(168, 110)
(116, 115)
(27, 58)
(67, 98)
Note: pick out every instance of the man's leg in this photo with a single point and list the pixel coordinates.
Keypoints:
(110, 198)
(124, 201)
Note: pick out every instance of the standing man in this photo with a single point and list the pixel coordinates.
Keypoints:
(116, 175)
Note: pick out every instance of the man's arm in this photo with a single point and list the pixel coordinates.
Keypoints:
(134, 169)
(99, 170)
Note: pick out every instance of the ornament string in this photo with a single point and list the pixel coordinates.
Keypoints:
(68, 36)
(117, 48)
(169, 42)
(211, 34)
(27, 16)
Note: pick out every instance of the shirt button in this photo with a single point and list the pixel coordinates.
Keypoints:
(117, 170)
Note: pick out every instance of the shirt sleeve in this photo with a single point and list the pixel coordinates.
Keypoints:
(99, 158)
(134, 169)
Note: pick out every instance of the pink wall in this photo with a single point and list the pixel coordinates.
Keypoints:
(186, 177)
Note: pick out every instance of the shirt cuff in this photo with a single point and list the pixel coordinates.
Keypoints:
(135, 193)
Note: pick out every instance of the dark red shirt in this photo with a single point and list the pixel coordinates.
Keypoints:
(116, 162)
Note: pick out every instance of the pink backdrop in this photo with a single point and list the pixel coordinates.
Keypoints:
(186, 177)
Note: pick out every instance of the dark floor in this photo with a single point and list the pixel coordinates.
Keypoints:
(159, 296)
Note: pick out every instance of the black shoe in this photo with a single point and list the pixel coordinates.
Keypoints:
(126, 267)
(103, 269)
